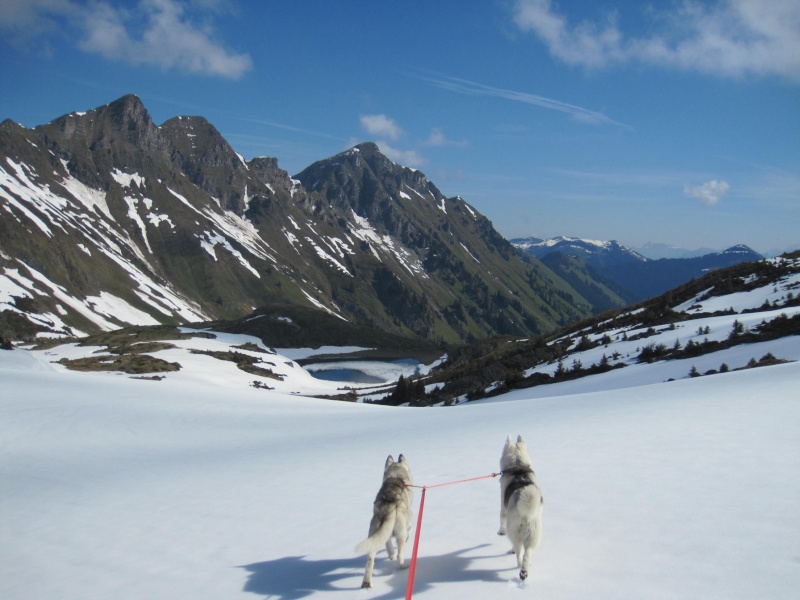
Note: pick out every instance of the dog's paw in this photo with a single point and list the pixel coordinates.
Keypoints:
(501, 531)
(365, 585)
(402, 566)
(523, 575)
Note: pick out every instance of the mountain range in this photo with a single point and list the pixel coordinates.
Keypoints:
(633, 276)
(109, 219)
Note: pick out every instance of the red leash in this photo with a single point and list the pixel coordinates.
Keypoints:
(412, 569)
(454, 482)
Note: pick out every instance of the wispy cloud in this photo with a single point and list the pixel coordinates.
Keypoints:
(711, 192)
(438, 138)
(156, 33)
(727, 38)
(293, 129)
(381, 125)
(407, 158)
(463, 86)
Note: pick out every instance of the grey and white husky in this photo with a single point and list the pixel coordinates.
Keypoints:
(521, 503)
(391, 516)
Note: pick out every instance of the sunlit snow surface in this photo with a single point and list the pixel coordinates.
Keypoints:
(201, 486)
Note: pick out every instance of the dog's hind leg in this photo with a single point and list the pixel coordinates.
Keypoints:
(517, 550)
(531, 542)
(401, 546)
(525, 565)
(367, 583)
(390, 549)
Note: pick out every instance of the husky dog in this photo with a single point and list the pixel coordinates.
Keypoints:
(391, 516)
(521, 503)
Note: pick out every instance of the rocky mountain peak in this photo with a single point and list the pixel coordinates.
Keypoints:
(127, 111)
(170, 223)
(9, 125)
(198, 150)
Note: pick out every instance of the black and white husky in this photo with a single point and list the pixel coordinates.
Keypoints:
(391, 516)
(521, 503)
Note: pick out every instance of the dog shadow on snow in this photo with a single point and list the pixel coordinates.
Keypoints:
(294, 577)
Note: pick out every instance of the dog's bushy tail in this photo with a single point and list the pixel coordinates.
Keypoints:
(378, 539)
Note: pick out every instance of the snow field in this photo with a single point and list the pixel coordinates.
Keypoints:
(123, 488)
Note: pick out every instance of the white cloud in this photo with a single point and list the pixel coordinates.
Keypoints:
(381, 125)
(22, 22)
(407, 158)
(708, 193)
(727, 38)
(386, 128)
(157, 33)
(438, 138)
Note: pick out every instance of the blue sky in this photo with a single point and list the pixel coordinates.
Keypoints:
(671, 122)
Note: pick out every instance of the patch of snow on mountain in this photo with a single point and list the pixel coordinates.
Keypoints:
(61, 211)
(365, 232)
(162, 296)
(470, 253)
(209, 240)
(90, 198)
(411, 263)
(184, 200)
(339, 246)
(115, 307)
(125, 179)
(321, 306)
(133, 214)
(705, 302)
(327, 257)
(20, 186)
(156, 220)
(11, 288)
(241, 230)
(77, 305)
(293, 240)
(234, 227)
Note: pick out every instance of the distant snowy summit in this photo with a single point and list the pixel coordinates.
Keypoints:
(587, 249)
(630, 273)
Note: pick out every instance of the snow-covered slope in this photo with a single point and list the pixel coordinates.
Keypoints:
(202, 486)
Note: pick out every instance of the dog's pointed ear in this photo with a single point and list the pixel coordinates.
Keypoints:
(509, 441)
(389, 462)
(521, 440)
(401, 458)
